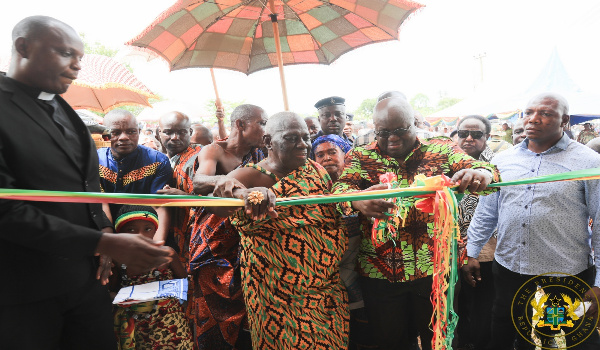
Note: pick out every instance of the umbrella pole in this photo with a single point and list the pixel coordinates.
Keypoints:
(273, 16)
(220, 113)
(217, 99)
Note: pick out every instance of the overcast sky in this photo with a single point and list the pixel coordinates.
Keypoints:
(435, 53)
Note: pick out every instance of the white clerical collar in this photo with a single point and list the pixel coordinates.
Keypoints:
(46, 96)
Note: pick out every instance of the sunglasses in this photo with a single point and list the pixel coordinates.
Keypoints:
(384, 134)
(476, 135)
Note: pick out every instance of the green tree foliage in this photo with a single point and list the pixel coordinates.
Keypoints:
(446, 102)
(421, 103)
(228, 107)
(365, 109)
(97, 48)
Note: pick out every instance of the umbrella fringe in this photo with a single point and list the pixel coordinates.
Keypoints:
(117, 86)
(100, 110)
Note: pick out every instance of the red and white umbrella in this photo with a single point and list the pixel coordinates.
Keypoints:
(103, 84)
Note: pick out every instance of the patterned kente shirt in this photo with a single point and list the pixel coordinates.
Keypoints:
(409, 257)
(142, 171)
(184, 166)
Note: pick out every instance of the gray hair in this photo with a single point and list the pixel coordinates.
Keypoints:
(243, 112)
(276, 121)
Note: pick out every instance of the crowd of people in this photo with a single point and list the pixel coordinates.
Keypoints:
(267, 276)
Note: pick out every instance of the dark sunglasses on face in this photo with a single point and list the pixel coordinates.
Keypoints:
(476, 135)
(384, 134)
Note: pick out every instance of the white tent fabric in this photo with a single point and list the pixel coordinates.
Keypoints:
(193, 109)
(553, 77)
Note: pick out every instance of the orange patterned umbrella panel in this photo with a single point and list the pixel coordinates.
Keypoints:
(238, 35)
(104, 84)
(251, 35)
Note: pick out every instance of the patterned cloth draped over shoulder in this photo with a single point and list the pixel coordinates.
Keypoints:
(184, 166)
(290, 268)
(219, 308)
(410, 256)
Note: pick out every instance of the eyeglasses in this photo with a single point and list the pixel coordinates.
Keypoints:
(180, 132)
(476, 135)
(384, 134)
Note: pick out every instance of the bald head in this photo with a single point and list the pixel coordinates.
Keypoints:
(313, 125)
(278, 122)
(124, 132)
(46, 54)
(389, 94)
(33, 27)
(394, 126)
(396, 107)
(174, 118)
(419, 120)
(245, 112)
(118, 114)
(174, 132)
(201, 135)
(594, 144)
(288, 140)
(563, 105)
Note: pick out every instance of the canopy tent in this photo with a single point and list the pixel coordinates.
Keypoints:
(506, 105)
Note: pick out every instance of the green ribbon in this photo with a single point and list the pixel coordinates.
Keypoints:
(153, 199)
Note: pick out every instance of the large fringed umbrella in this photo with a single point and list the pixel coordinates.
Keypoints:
(104, 84)
(251, 35)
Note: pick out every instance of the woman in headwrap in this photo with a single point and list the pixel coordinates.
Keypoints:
(329, 151)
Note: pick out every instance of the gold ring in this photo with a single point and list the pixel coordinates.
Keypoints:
(255, 197)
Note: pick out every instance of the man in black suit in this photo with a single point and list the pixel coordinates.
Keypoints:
(52, 293)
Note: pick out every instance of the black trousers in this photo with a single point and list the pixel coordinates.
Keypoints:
(361, 331)
(393, 307)
(475, 309)
(79, 319)
(504, 333)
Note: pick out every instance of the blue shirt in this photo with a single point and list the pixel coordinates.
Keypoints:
(542, 228)
(142, 171)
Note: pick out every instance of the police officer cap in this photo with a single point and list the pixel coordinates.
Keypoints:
(330, 101)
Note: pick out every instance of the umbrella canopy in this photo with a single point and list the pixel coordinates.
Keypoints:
(104, 84)
(238, 35)
(244, 35)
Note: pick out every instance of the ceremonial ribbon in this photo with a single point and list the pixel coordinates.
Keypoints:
(194, 201)
(437, 198)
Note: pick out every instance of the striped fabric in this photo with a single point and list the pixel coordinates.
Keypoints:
(238, 35)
